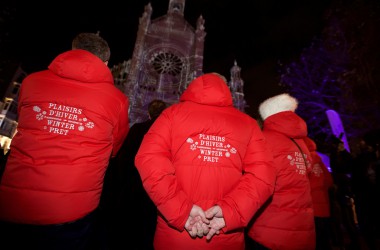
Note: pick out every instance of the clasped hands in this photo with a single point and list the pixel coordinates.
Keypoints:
(205, 223)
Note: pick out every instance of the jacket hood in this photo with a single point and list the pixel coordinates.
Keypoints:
(209, 89)
(81, 65)
(287, 123)
(276, 104)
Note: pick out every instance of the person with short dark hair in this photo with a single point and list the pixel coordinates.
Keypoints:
(72, 119)
(93, 43)
(124, 194)
(155, 108)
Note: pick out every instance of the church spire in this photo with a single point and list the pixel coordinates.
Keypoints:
(237, 87)
(176, 6)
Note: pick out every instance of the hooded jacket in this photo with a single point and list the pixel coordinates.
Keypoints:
(286, 222)
(320, 182)
(71, 120)
(204, 151)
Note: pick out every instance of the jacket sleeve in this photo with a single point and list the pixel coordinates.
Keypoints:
(121, 129)
(255, 187)
(153, 161)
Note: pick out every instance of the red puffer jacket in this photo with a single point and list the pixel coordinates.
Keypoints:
(320, 182)
(197, 152)
(71, 119)
(287, 221)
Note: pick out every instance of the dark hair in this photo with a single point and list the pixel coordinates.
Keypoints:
(93, 43)
(155, 108)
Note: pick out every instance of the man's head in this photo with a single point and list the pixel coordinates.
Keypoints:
(93, 43)
(155, 108)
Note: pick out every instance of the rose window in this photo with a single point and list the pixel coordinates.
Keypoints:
(167, 63)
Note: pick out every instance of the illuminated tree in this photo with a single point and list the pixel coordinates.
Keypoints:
(338, 71)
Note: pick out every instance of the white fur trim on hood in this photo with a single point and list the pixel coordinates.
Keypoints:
(276, 104)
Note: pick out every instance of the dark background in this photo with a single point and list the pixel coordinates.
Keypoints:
(257, 34)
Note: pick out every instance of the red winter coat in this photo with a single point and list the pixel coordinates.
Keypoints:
(287, 222)
(196, 153)
(71, 119)
(320, 181)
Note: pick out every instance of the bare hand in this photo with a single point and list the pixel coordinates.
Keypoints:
(197, 223)
(217, 222)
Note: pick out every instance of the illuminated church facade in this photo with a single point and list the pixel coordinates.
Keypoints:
(167, 56)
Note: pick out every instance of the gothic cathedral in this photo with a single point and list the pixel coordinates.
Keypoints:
(168, 54)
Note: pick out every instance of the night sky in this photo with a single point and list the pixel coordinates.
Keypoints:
(257, 34)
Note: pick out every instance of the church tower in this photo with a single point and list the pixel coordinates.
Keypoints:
(236, 85)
